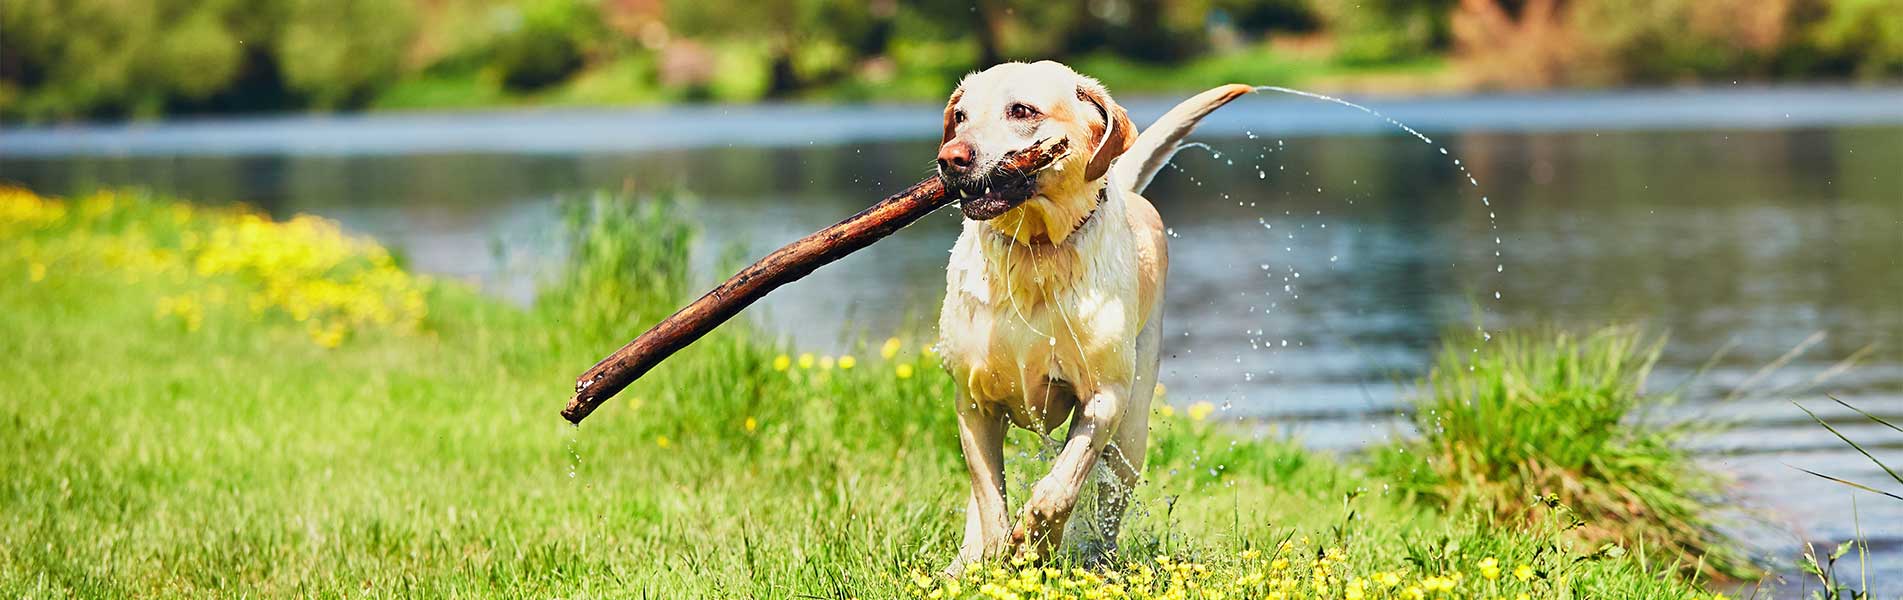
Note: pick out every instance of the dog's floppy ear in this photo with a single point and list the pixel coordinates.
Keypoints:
(951, 128)
(1113, 138)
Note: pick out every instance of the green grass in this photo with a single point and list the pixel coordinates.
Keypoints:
(436, 91)
(149, 456)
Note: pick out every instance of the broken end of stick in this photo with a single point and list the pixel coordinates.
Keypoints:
(594, 388)
(579, 408)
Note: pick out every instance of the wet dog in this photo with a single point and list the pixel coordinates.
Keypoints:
(1054, 294)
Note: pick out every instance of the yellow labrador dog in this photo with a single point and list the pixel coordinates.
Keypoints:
(1054, 295)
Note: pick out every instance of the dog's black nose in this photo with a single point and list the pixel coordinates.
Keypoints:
(954, 157)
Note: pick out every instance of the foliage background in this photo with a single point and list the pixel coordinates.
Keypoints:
(78, 59)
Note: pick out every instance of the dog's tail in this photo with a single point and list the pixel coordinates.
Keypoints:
(1159, 141)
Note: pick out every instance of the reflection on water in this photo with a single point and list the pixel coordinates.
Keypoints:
(1310, 279)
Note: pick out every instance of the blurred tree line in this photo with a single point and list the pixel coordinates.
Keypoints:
(62, 59)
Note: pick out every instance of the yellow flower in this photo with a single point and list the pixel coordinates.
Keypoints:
(1523, 572)
(1522, 596)
(1159, 390)
(1201, 410)
(187, 309)
(1490, 568)
(1166, 410)
(330, 336)
(1388, 580)
(904, 371)
(826, 363)
(662, 441)
(752, 425)
(806, 360)
(847, 361)
(781, 362)
(36, 272)
(890, 349)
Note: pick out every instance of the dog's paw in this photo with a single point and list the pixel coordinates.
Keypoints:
(1038, 533)
(1050, 502)
(955, 569)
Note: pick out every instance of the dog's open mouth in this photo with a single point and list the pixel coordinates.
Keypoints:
(1000, 193)
(984, 198)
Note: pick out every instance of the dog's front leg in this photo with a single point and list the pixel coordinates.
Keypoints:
(981, 437)
(1054, 496)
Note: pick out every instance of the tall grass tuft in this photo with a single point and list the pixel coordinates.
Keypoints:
(1561, 419)
(627, 265)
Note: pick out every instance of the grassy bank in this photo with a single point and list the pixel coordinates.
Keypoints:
(203, 402)
(629, 82)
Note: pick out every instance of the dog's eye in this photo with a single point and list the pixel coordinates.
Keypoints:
(958, 116)
(1021, 111)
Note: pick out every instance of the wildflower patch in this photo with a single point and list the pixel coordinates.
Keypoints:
(306, 271)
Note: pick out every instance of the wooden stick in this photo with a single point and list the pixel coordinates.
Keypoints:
(788, 264)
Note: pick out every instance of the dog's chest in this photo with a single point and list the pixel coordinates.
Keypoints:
(1017, 318)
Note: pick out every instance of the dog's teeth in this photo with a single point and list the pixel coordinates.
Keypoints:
(987, 190)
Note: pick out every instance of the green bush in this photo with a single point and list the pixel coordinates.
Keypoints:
(1383, 31)
(337, 52)
(98, 57)
(542, 42)
(1561, 419)
(1862, 37)
(1664, 40)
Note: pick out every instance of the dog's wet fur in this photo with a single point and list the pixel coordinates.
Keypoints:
(1053, 299)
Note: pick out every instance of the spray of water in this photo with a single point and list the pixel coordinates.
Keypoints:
(1492, 222)
(574, 453)
(1290, 278)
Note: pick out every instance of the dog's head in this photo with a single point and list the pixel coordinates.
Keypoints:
(1009, 108)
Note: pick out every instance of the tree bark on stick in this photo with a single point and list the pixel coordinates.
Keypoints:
(788, 264)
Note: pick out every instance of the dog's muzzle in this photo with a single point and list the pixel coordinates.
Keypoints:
(1011, 180)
